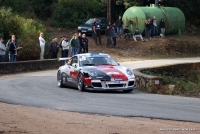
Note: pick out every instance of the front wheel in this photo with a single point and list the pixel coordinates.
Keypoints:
(127, 91)
(59, 79)
(80, 82)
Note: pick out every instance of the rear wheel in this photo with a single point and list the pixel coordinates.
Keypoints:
(80, 82)
(59, 79)
(127, 91)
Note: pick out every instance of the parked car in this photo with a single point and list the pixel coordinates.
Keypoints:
(95, 71)
(87, 26)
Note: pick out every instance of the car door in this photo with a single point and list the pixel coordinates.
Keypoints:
(73, 70)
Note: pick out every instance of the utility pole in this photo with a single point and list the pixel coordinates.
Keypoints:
(108, 11)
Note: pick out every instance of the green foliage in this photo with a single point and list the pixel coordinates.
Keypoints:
(70, 13)
(183, 84)
(26, 30)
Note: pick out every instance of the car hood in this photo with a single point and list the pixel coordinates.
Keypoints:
(115, 72)
(85, 26)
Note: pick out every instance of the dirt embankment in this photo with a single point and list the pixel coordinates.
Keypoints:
(16, 119)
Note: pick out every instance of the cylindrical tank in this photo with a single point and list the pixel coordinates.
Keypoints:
(135, 17)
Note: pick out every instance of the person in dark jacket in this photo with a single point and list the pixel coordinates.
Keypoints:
(85, 43)
(73, 45)
(53, 49)
(57, 50)
(126, 33)
(162, 26)
(119, 23)
(97, 32)
(114, 36)
(137, 34)
(93, 28)
(81, 45)
(13, 47)
(147, 29)
(108, 36)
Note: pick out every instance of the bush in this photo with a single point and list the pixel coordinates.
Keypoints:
(26, 30)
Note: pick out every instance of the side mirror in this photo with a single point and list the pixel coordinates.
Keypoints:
(118, 63)
(66, 62)
(75, 65)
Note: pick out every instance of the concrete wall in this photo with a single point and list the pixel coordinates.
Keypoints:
(149, 83)
(24, 66)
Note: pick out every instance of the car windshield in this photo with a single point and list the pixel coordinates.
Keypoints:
(89, 21)
(96, 60)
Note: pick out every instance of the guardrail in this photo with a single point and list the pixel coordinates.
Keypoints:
(32, 65)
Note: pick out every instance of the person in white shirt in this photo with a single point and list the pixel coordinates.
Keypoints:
(42, 45)
(65, 47)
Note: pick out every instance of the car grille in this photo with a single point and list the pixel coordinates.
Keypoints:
(96, 85)
(115, 85)
(131, 83)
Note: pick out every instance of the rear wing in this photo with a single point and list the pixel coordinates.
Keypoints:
(65, 59)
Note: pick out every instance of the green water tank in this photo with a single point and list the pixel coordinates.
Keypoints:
(135, 17)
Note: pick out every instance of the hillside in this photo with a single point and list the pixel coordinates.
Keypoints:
(169, 47)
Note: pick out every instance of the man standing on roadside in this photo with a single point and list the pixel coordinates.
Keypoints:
(2, 50)
(97, 32)
(93, 28)
(53, 49)
(56, 43)
(155, 29)
(119, 26)
(42, 45)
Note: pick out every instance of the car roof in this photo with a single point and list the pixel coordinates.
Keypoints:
(98, 18)
(93, 54)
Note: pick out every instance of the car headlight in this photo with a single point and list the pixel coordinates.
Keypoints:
(129, 71)
(92, 73)
(79, 27)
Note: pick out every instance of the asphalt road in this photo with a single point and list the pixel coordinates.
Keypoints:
(39, 89)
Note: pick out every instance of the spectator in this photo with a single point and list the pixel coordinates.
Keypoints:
(78, 46)
(119, 23)
(85, 43)
(53, 49)
(162, 26)
(60, 43)
(150, 28)
(93, 28)
(73, 46)
(115, 27)
(56, 42)
(155, 29)
(137, 34)
(97, 32)
(126, 33)
(13, 47)
(65, 47)
(42, 45)
(108, 36)
(2, 50)
(81, 45)
(156, 2)
(114, 36)
(147, 29)
(160, 3)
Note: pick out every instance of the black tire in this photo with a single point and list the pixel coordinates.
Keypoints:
(59, 79)
(127, 91)
(80, 83)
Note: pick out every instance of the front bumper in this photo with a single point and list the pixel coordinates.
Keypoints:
(110, 85)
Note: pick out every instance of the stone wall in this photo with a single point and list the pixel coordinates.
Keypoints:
(149, 83)
(25, 66)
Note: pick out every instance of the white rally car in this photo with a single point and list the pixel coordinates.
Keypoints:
(95, 71)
